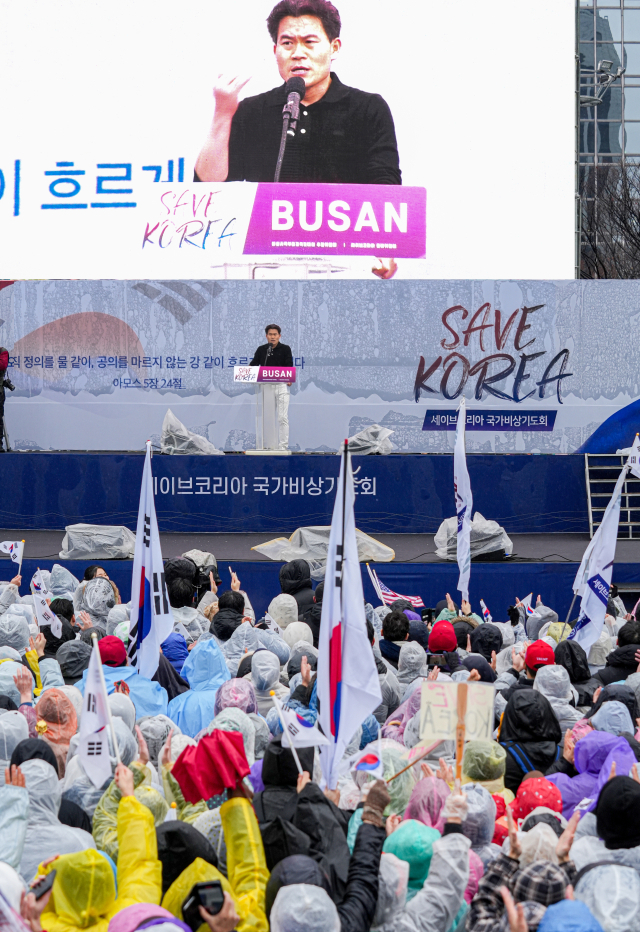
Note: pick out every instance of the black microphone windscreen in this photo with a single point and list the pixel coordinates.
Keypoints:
(296, 85)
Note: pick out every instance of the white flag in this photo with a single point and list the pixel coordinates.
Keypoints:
(38, 585)
(583, 573)
(593, 606)
(151, 620)
(272, 624)
(296, 732)
(45, 616)
(529, 611)
(634, 457)
(348, 684)
(93, 747)
(464, 502)
(14, 548)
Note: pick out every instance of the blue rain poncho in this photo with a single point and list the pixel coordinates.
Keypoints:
(148, 697)
(205, 671)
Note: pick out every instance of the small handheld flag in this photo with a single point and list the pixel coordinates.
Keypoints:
(388, 596)
(296, 731)
(15, 549)
(93, 747)
(486, 615)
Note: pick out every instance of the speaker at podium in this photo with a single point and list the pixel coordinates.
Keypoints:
(272, 391)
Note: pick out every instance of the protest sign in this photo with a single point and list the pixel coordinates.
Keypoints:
(439, 711)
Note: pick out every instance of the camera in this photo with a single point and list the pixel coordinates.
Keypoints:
(9, 384)
(209, 895)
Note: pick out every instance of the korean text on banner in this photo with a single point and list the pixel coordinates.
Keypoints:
(439, 715)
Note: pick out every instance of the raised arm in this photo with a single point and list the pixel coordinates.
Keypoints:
(213, 162)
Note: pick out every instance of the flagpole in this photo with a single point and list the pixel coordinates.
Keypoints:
(276, 702)
(94, 639)
(344, 519)
(21, 556)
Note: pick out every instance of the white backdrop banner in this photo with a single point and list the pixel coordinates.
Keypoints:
(544, 366)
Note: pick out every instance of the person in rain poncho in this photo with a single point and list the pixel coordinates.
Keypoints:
(284, 610)
(616, 692)
(426, 803)
(95, 597)
(484, 763)
(205, 671)
(412, 662)
(554, 683)
(117, 615)
(85, 889)
(613, 717)
(73, 658)
(238, 693)
(246, 640)
(13, 730)
(479, 824)
(265, 676)
(105, 817)
(149, 698)
(56, 723)
(612, 894)
(295, 632)
(46, 836)
(123, 707)
(621, 662)
(232, 719)
(176, 651)
(62, 583)
(295, 580)
(572, 656)
(530, 734)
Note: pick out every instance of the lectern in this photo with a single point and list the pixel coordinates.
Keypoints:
(266, 380)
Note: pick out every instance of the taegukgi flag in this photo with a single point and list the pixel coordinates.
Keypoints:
(93, 747)
(464, 501)
(348, 685)
(580, 582)
(151, 620)
(296, 731)
(15, 549)
(599, 568)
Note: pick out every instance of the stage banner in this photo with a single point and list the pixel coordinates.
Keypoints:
(544, 366)
(134, 146)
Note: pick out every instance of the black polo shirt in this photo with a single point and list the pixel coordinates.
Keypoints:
(346, 137)
(280, 356)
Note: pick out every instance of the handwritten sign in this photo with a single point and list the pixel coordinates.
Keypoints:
(439, 717)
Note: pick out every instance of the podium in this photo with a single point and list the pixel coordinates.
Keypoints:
(266, 380)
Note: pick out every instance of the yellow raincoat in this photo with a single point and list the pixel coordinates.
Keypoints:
(84, 891)
(246, 867)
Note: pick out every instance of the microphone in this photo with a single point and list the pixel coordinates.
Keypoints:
(296, 89)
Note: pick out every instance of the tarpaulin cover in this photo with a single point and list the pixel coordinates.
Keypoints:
(176, 438)
(373, 439)
(311, 544)
(97, 542)
(216, 763)
(485, 537)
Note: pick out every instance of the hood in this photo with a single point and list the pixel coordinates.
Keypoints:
(225, 623)
(295, 869)
(298, 651)
(175, 650)
(592, 751)
(569, 916)
(462, 630)
(73, 658)
(486, 638)
(41, 781)
(14, 631)
(13, 730)
(479, 824)
(616, 813)
(623, 657)
(33, 749)
(304, 908)
(179, 844)
(553, 682)
(243, 640)
(198, 872)
(536, 792)
(413, 842)
(483, 760)
(297, 631)
(205, 667)
(412, 658)
(59, 713)
(155, 731)
(95, 596)
(8, 688)
(279, 767)
(533, 624)
(283, 609)
(62, 583)
(295, 576)
(84, 889)
(612, 894)
(529, 717)
(116, 616)
(123, 707)
(618, 692)
(478, 662)
(427, 802)
(265, 671)
(613, 717)
(572, 656)
(238, 694)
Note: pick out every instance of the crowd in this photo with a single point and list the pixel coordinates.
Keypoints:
(542, 832)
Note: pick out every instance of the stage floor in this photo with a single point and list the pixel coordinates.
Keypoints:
(409, 548)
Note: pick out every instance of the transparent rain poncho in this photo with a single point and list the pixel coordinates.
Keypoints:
(263, 735)
(393, 760)
(613, 717)
(554, 683)
(295, 632)
(13, 730)
(178, 744)
(427, 802)
(8, 670)
(411, 661)
(612, 893)
(57, 723)
(283, 609)
(75, 697)
(413, 842)
(155, 730)
(236, 720)
(14, 631)
(62, 583)
(96, 596)
(479, 824)
(117, 615)
(538, 844)
(243, 640)
(238, 693)
(123, 707)
(301, 907)
(483, 761)
(105, 817)
(393, 880)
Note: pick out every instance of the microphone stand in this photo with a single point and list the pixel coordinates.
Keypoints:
(290, 117)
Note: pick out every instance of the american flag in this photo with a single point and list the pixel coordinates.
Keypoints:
(388, 596)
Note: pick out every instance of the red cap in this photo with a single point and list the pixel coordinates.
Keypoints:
(539, 654)
(442, 637)
(112, 652)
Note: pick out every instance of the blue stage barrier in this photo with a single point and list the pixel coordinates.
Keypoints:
(497, 583)
(410, 493)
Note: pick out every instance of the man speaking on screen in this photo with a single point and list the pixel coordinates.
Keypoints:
(275, 353)
(344, 135)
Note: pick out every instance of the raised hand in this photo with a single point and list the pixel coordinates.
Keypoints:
(565, 841)
(226, 91)
(83, 621)
(445, 772)
(474, 676)
(450, 604)
(426, 770)
(38, 644)
(124, 780)
(569, 746)
(305, 672)
(24, 684)
(432, 675)
(385, 269)
(494, 660)
(465, 607)
(514, 842)
(235, 582)
(16, 581)
(143, 749)
(514, 911)
(166, 754)
(303, 779)
(13, 776)
(517, 661)
(392, 823)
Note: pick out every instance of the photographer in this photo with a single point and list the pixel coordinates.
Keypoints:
(4, 383)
